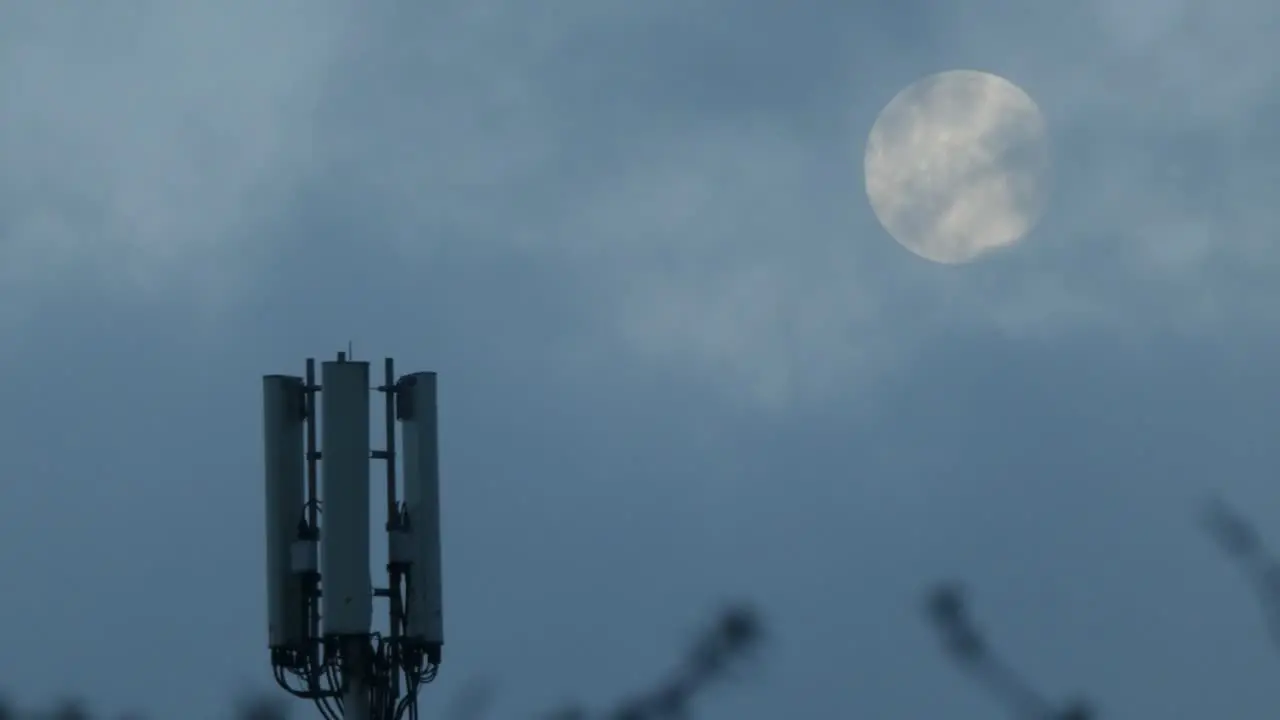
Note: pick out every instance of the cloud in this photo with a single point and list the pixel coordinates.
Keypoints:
(140, 141)
(664, 196)
(696, 250)
(692, 168)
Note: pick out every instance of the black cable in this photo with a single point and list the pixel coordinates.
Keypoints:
(319, 698)
(283, 681)
(315, 681)
(324, 709)
(334, 699)
(407, 704)
(329, 708)
(381, 672)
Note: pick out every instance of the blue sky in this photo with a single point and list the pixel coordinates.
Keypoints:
(679, 360)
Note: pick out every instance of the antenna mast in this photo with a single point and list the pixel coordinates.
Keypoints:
(319, 588)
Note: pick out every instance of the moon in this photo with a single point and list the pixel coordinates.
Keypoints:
(957, 166)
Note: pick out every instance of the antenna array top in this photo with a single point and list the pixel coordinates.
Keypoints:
(319, 589)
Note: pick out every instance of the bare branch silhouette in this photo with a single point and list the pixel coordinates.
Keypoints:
(735, 634)
(948, 611)
(1240, 541)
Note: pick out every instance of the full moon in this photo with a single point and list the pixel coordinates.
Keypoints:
(957, 166)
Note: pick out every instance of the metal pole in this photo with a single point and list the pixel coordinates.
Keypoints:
(313, 524)
(313, 455)
(396, 612)
(389, 419)
(355, 702)
(355, 706)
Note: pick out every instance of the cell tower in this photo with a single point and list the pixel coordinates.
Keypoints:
(320, 591)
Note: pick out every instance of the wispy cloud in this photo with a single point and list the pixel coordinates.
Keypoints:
(140, 141)
(700, 182)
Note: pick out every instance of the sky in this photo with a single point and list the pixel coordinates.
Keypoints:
(680, 362)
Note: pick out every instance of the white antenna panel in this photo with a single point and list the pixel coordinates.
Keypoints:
(422, 505)
(347, 587)
(282, 429)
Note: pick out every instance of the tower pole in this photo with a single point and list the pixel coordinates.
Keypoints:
(355, 702)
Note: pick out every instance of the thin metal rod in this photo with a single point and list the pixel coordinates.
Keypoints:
(313, 509)
(313, 503)
(389, 387)
(393, 521)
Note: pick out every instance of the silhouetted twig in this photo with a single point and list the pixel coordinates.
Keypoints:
(737, 631)
(1241, 542)
(948, 611)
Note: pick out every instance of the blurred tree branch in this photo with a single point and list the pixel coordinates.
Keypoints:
(736, 632)
(1241, 542)
(948, 611)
